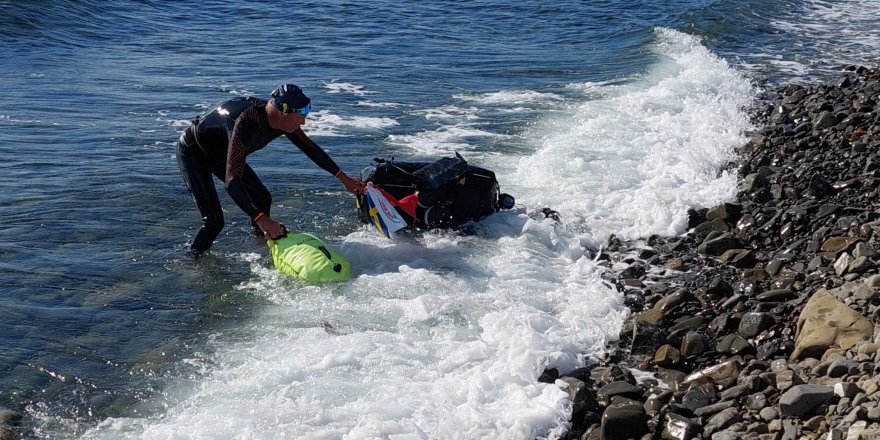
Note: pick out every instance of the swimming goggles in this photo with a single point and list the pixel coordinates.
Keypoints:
(285, 109)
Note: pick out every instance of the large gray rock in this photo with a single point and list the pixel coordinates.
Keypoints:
(805, 400)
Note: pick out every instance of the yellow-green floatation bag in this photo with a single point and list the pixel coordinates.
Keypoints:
(307, 257)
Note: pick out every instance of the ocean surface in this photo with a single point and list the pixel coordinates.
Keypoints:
(619, 115)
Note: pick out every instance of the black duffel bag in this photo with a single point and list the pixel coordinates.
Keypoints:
(450, 192)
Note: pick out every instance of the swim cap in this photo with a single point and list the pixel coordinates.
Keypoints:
(291, 95)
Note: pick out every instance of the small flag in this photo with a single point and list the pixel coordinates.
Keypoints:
(382, 213)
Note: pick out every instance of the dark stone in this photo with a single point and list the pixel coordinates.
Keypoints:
(751, 324)
(549, 375)
(719, 287)
(805, 400)
(582, 397)
(623, 389)
(634, 271)
(776, 295)
(624, 419)
(825, 120)
(614, 373)
(678, 427)
(714, 408)
(703, 230)
(728, 212)
(734, 344)
(582, 374)
(695, 399)
(734, 392)
(646, 338)
(722, 420)
(695, 218)
(693, 344)
(689, 323)
(819, 187)
(718, 245)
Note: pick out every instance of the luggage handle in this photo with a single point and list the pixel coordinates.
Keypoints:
(336, 266)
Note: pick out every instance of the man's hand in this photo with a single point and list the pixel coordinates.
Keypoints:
(272, 230)
(354, 186)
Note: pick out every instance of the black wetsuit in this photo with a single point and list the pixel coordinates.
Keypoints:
(217, 144)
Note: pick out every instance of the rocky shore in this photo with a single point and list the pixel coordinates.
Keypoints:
(761, 321)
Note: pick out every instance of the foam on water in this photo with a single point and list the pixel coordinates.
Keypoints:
(344, 87)
(826, 35)
(631, 160)
(511, 97)
(324, 123)
(444, 335)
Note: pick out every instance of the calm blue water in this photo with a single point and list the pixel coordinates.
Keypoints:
(619, 114)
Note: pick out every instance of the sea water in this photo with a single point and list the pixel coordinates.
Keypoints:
(618, 115)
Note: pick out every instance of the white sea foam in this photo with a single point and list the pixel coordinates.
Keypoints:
(344, 87)
(380, 104)
(511, 97)
(827, 35)
(324, 123)
(445, 140)
(444, 335)
(632, 162)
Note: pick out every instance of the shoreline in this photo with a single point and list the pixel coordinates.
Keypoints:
(759, 323)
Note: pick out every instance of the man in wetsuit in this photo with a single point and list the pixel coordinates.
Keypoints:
(217, 144)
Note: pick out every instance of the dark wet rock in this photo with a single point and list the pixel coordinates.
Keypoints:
(581, 395)
(734, 344)
(805, 400)
(837, 244)
(549, 375)
(718, 245)
(678, 427)
(644, 337)
(624, 419)
(776, 295)
(715, 408)
(753, 323)
(620, 388)
(693, 344)
(614, 373)
(656, 401)
(734, 392)
(721, 420)
(728, 212)
(667, 356)
(695, 399)
(583, 374)
(755, 402)
(723, 374)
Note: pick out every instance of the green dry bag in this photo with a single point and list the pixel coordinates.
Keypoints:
(307, 257)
